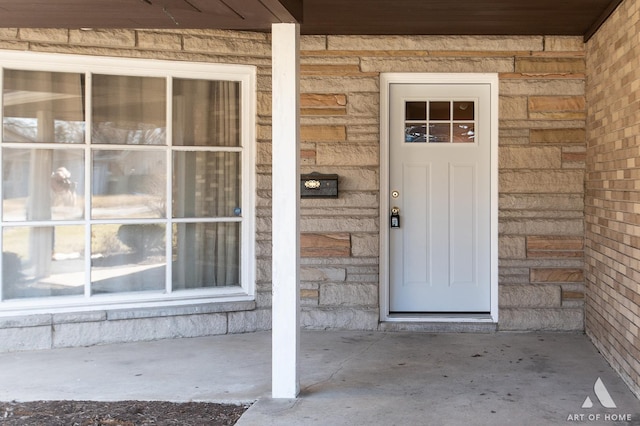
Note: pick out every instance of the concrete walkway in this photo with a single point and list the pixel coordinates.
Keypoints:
(347, 378)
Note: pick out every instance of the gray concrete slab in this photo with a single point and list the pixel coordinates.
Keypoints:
(347, 378)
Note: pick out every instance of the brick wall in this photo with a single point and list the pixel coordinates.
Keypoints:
(542, 159)
(613, 192)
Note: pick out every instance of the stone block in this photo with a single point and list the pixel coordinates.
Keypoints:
(341, 319)
(357, 179)
(557, 103)
(560, 202)
(159, 40)
(49, 35)
(19, 321)
(312, 295)
(348, 198)
(134, 330)
(574, 156)
(103, 37)
(349, 295)
(313, 42)
(76, 317)
(511, 276)
(313, 84)
(533, 86)
(323, 133)
(572, 295)
(367, 133)
(227, 45)
(364, 104)
(530, 158)
(322, 274)
(556, 275)
(542, 226)
(16, 45)
(264, 103)
(25, 339)
(329, 70)
(8, 33)
(337, 244)
(511, 247)
(322, 100)
(250, 321)
(530, 296)
(514, 136)
(547, 181)
(513, 107)
(550, 65)
(557, 108)
(330, 224)
(436, 64)
(552, 319)
(347, 155)
(263, 270)
(307, 154)
(178, 311)
(555, 246)
(564, 44)
(365, 245)
(543, 123)
(558, 136)
(436, 43)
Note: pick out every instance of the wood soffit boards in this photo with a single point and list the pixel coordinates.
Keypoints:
(373, 17)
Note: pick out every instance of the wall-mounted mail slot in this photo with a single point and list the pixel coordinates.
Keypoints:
(318, 185)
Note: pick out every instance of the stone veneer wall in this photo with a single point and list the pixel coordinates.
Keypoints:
(613, 192)
(542, 160)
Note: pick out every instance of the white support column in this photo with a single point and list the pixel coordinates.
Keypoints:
(286, 207)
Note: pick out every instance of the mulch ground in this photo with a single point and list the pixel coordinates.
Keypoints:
(121, 413)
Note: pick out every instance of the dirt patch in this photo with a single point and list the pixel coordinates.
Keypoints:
(121, 413)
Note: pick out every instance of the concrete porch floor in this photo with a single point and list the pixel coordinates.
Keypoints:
(347, 378)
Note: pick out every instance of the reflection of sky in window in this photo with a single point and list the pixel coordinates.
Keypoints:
(18, 129)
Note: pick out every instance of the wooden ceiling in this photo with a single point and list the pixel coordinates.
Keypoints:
(437, 17)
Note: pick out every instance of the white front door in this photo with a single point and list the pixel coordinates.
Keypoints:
(440, 188)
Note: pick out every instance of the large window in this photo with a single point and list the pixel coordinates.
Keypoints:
(124, 180)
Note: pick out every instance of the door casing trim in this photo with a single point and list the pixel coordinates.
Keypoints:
(386, 80)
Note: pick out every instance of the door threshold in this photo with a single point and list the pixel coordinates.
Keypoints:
(439, 323)
(439, 317)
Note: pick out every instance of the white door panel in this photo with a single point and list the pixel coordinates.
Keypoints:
(440, 167)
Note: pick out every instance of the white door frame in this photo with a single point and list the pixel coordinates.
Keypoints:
(386, 80)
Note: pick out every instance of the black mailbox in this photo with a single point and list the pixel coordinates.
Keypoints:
(318, 185)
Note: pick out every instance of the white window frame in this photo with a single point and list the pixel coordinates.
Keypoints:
(243, 74)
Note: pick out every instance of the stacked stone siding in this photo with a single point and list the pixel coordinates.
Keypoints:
(613, 192)
(542, 161)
